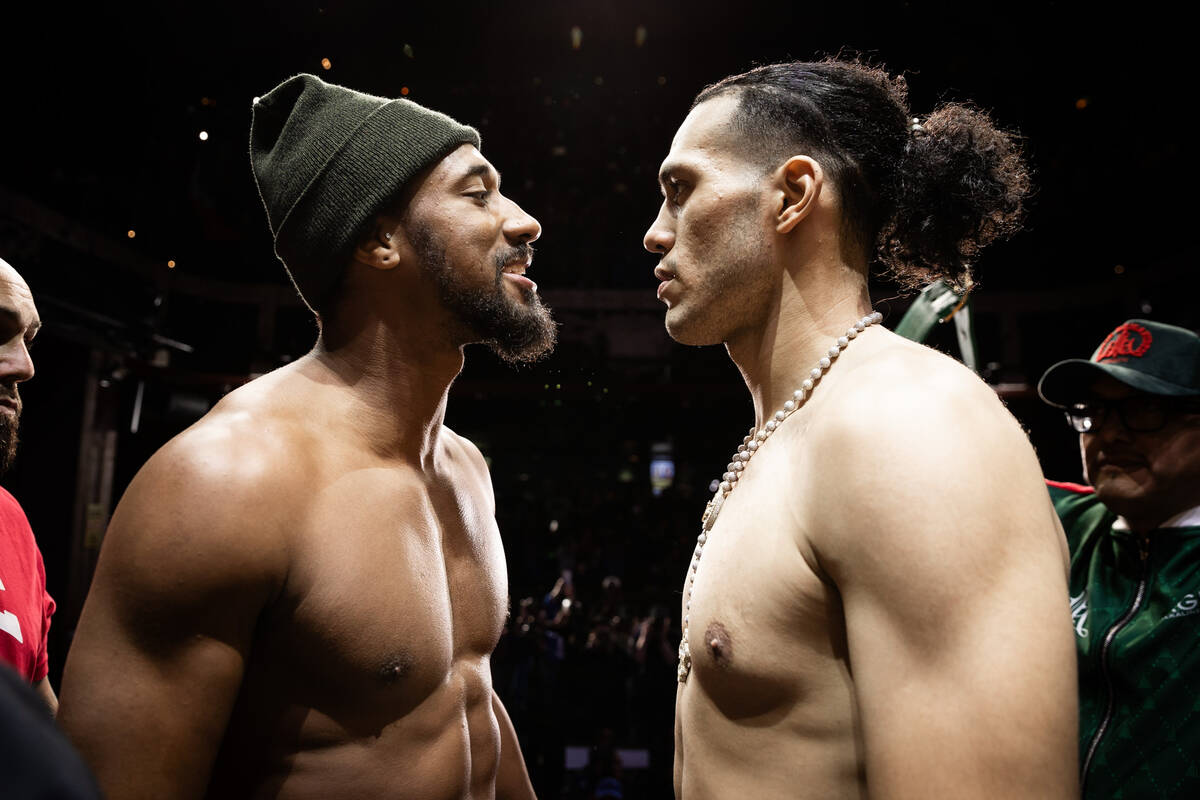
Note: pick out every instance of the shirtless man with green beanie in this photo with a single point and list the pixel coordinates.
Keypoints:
(298, 596)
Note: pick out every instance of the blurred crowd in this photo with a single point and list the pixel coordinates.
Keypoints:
(589, 662)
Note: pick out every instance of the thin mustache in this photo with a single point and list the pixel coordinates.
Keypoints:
(1121, 457)
(521, 252)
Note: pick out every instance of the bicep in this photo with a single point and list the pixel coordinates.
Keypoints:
(958, 629)
(966, 684)
(148, 720)
(158, 657)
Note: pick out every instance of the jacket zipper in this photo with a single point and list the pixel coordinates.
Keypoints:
(1144, 553)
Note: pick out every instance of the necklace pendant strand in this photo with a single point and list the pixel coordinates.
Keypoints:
(733, 472)
(710, 513)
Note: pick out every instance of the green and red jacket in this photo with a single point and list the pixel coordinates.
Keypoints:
(1135, 603)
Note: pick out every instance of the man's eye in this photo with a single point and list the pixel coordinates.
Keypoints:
(675, 193)
(482, 195)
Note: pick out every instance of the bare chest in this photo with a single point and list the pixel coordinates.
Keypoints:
(392, 586)
(765, 632)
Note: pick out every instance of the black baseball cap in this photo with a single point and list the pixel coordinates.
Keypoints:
(1151, 357)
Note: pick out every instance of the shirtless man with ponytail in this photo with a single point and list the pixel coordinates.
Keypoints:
(877, 604)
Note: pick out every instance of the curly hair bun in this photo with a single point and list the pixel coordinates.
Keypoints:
(922, 197)
(960, 185)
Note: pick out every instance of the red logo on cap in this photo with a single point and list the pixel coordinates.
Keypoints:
(1128, 341)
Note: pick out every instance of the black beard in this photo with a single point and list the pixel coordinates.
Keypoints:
(517, 332)
(8, 437)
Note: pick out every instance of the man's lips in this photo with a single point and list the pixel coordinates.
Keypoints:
(518, 266)
(515, 271)
(521, 280)
(1123, 462)
(665, 275)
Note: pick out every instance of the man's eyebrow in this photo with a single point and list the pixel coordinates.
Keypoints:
(482, 171)
(11, 315)
(672, 170)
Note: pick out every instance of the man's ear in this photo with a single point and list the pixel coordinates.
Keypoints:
(799, 181)
(381, 245)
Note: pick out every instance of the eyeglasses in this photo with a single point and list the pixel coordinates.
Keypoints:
(1138, 413)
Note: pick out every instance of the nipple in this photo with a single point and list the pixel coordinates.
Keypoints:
(396, 668)
(719, 644)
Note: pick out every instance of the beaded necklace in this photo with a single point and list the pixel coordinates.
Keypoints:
(746, 450)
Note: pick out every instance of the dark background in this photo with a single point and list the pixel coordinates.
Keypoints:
(100, 135)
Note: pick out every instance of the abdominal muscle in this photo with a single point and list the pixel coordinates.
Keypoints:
(447, 747)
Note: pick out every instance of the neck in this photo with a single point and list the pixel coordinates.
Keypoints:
(811, 308)
(394, 378)
(1144, 523)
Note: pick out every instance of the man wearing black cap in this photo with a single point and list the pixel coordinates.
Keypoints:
(298, 596)
(1134, 535)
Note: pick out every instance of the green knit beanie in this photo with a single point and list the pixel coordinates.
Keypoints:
(327, 159)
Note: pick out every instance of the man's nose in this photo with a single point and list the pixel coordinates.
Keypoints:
(521, 228)
(659, 238)
(16, 365)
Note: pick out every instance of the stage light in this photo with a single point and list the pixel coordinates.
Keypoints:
(1119, 269)
(404, 91)
(639, 36)
(171, 264)
(204, 136)
(662, 467)
(131, 233)
(408, 51)
(326, 63)
(1081, 103)
(576, 37)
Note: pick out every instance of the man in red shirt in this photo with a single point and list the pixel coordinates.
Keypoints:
(25, 607)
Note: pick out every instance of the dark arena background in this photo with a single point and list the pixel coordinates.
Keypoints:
(126, 201)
